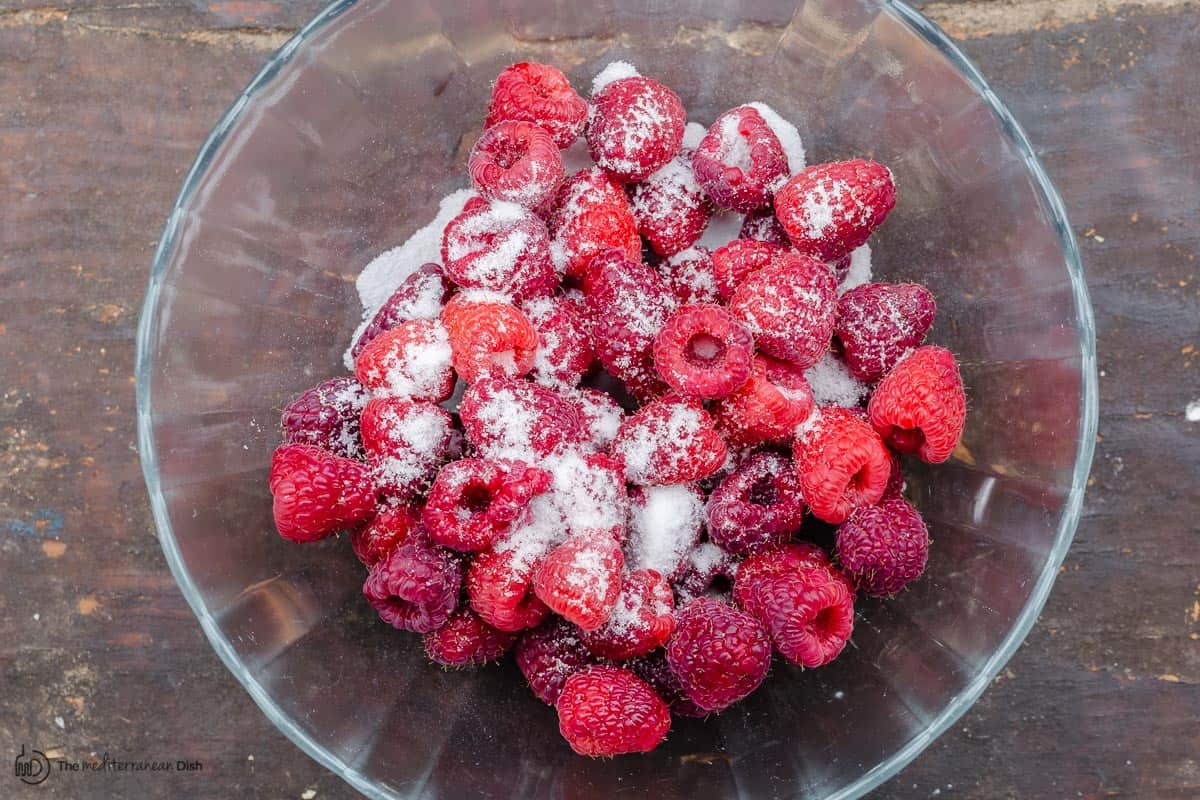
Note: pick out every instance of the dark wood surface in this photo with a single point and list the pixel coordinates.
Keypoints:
(103, 104)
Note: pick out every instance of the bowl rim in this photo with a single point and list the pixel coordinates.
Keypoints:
(873, 777)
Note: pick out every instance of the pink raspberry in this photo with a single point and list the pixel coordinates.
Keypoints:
(671, 440)
(516, 162)
(607, 711)
(920, 406)
(703, 351)
(739, 259)
(599, 414)
(412, 360)
(541, 94)
(767, 407)
(635, 125)
(564, 351)
(655, 671)
(883, 548)
(488, 338)
(790, 308)
(669, 207)
(691, 275)
(517, 419)
(581, 578)
(420, 296)
(877, 323)
(474, 502)
(500, 589)
(501, 247)
(327, 416)
(316, 493)
(758, 505)
(416, 586)
(763, 226)
(466, 640)
(830, 209)
(390, 526)
(740, 162)
(809, 612)
(641, 620)
(842, 464)
(589, 216)
(706, 568)
(719, 653)
(549, 654)
(783, 559)
(406, 442)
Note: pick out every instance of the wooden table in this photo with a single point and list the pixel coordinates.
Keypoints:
(103, 104)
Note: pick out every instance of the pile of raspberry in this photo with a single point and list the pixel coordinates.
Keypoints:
(586, 439)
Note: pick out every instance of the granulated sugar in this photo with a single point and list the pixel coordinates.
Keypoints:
(860, 269)
(722, 229)
(692, 134)
(787, 135)
(833, 385)
(614, 71)
(663, 527)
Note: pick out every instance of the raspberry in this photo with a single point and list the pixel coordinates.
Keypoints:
(420, 296)
(590, 215)
(516, 162)
(489, 338)
(549, 654)
(599, 414)
(763, 226)
(406, 443)
(739, 259)
(564, 350)
(691, 275)
(607, 711)
(654, 670)
(701, 570)
(500, 589)
(669, 207)
(501, 247)
(740, 162)
(390, 526)
(589, 494)
(473, 502)
(671, 440)
(767, 407)
(581, 579)
(883, 548)
(758, 505)
(830, 209)
(842, 464)
(538, 93)
(703, 351)
(920, 407)
(517, 419)
(895, 484)
(877, 323)
(719, 653)
(841, 268)
(466, 640)
(784, 559)
(317, 493)
(412, 360)
(635, 125)
(809, 612)
(416, 586)
(790, 308)
(327, 416)
(640, 621)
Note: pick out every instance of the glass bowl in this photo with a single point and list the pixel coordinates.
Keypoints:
(342, 146)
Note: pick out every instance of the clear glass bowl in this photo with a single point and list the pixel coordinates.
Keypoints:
(343, 145)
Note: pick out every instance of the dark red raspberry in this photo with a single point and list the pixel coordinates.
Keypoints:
(489, 338)
(719, 653)
(669, 207)
(877, 323)
(763, 226)
(740, 162)
(538, 93)
(317, 493)
(767, 407)
(590, 215)
(841, 268)
(784, 559)
(564, 350)
(790, 307)
(654, 670)
(641, 621)
(809, 612)
(830, 209)
(474, 502)
(581, 578)
(501, 247)
(518, 420)
(842, 464)
(390, 526)
(599, 414)
(691, 275)
(406, 442)
(411, 360)
(416, 586)
(705, 565)
(671, 440)
(635, 125)
(883, 548)
(500, 588)
(420, 296)
(549, 654)
(327, 416)
(739, 259)
(703, 351)
(607, 711)
(895, 484)
(516, 162)
(920, 406)
(466, 640)
(758, 505)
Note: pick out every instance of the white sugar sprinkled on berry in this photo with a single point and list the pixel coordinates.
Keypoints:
(614, 71)
(663, 527)
(832, 384)
(860, 269)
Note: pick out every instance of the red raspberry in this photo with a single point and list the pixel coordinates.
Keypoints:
(540, 94)
(466, 640)
(516, 162)
(784, 559)
(390, 526)
(691, 275)
(489, 338)
(701, 571)
(758, 505)
(763, 226)
(740, 162)
(589, 494)
(607, 711)
(549, 654)
(830, 209)
(665, 523)
(416, 586)
(703, 351)
(420, 296)
(581, 578)
(317, 493)
(635, 125)
(883, 548)
(474, 502)
(877, 323)
(327, 416)
(590, 215)
(599, 414)
(412, 360)
(739, 259)
(517, 419)
(920, 407)
(790, 307)
(719, 653)
(669, 207)
(768, 407)
(641, 620)
(654, 670)
(809, 612)
(564, 351)
(671, 440)
(842, 464)
(500, 247)
(406, 443)
(500, 588)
